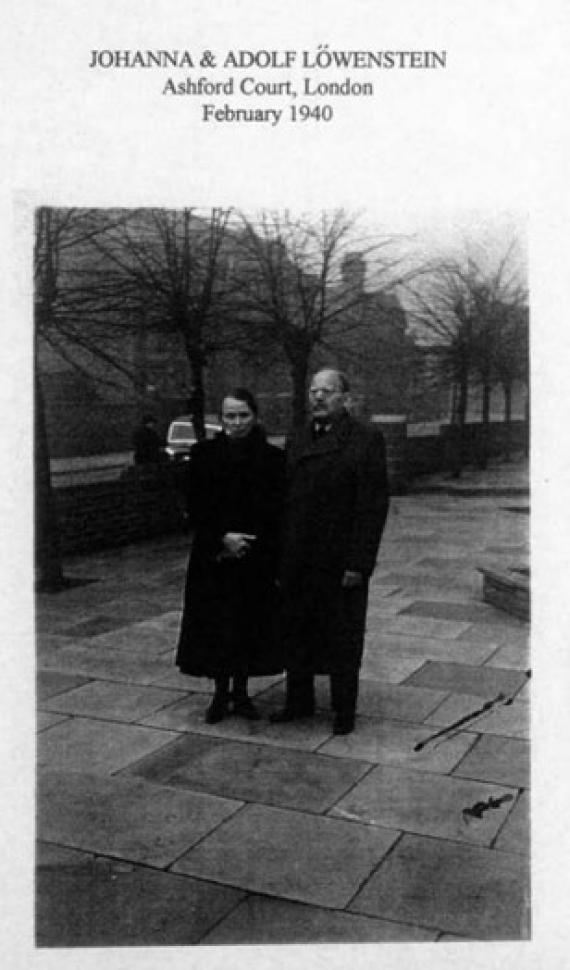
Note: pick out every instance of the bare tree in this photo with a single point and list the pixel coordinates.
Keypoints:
(467, 315)
(56, 232)
(173, 262)
(512, 358)
(294, 284)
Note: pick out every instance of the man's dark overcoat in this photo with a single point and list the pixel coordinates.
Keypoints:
(336, 509)
(229, 618)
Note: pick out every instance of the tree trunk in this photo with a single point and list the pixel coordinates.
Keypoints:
(485, 425)
(140, 362)
(49, 572)
(299, 374)
(198, 398)
(457, 429)
(508, 427)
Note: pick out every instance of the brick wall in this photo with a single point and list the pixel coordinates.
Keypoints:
(145, 503)
(107, 514)
(426, 454)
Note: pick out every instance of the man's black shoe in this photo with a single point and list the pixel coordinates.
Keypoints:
(288, 714)
(343, 724)
(217, 710)
(244, 707)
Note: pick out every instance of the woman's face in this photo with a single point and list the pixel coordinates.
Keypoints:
(237, 417)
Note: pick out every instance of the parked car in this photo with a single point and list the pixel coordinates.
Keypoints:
(181, 437)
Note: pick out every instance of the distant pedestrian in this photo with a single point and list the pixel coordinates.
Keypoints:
(147, 443)
(336, 508)
(236, 489)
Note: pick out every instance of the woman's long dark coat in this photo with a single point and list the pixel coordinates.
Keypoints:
(229, 619)
(335, 513)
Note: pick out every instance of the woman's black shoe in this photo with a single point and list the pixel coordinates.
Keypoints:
(217, 709)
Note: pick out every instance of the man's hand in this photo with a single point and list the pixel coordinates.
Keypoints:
(237, 544)
(351, 579)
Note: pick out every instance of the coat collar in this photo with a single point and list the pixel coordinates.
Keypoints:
(307, 446)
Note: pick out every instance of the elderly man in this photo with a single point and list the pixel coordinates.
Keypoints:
(336, 510)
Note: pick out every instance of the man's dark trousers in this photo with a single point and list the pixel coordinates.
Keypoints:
(300, 699)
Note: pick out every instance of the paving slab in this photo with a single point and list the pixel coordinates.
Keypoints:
(415, 801)
(392, 551)
(420, 626)
(260, 919)
(100, 746)
(103, 664)
(504, 760)
(50, 643)
(86, 902)
(511, 656)
(450, 563)
(49, 683)
(393, 743)
(465, 890)
(391, 646)
(252, 773)
(51, 622)
(515, 833)
(523, 695)
(414, 538)
(389, 670)
(50, 639)
(45, 721)
(511, 632)
(125, 818)
(484, 682)
(387, 606)
(463, 612)
(106, 700)
(389, 701)
(147, 639)
(419, 589)
(396, 702)
(510, 720)
(187, 715)
(94, 625)
(457, 582)
(253, 851)
(172, 679)
(381, 590)
(118, 613)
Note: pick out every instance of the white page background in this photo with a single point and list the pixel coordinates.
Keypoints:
(444, 153)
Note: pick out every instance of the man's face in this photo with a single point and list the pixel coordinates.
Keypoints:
(237, 417)
(326, 396)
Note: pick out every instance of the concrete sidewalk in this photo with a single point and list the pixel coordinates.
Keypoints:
(499, 478)
(156, 828)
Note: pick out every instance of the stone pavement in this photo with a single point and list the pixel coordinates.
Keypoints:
(155, 828)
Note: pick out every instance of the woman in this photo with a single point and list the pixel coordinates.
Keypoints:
(235, 504)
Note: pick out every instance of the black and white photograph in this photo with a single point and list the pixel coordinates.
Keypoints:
(285, 560)
(282, 579)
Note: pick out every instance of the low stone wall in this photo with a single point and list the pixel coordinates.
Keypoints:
(508, 590)
(425, 454)
(430, 453)
(393, 428)
(145, 503)
(138, 506)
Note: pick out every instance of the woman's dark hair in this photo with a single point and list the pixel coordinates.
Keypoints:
(241, 394)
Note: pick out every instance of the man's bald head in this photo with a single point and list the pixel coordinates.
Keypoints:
(328, 393)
